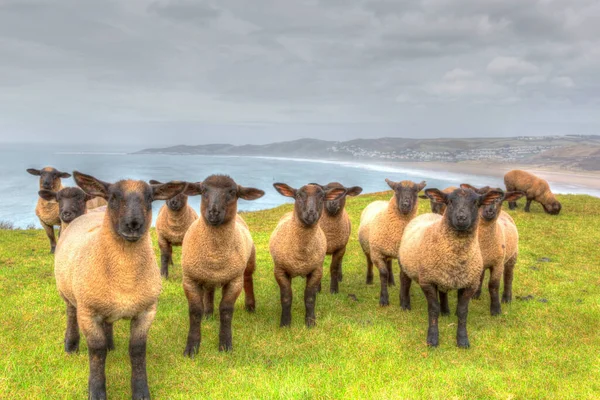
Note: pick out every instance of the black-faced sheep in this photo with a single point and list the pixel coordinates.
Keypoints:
(535, 188)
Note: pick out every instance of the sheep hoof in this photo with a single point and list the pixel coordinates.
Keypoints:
(250, 308)
(495, 312)
(432, 342)
(226, 347)
(52, 249)
(445, 313)
(140, 391)
(384, 302)
(369, 280)
(191, 349)
(506, 299)
(311, 323)
(110, 346)
(164, 274)
(72, 347)
(285, 324)
(405, 307)
(463, 343)
(97, 394)
(334, 290)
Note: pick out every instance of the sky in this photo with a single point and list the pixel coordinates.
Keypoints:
(238, 71)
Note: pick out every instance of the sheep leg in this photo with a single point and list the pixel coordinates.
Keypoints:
(93, 330)
(50, 233)
(166, 256)
(72, 331)
(444, 307)
(462, 309)
(249, 283)
(208, 301)
(310, 295)
(528, 205)
(494, 288)
(369, 270)
(512, 205)
(477, 293)
(336, 269)
(391, 280)
(285, 288)
(140, 325)
(231, 292)
(384, 299)
(340, 275)
(194, 294)
(108, 332)
(405, 283)
(433, 309)
(508, 279)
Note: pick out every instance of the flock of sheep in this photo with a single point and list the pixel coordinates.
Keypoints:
(105, 266)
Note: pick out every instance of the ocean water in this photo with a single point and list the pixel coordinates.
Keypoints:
(19, 189)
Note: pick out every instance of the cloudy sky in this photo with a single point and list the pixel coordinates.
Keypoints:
(183, 71)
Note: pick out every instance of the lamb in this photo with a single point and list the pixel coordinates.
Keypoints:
(496, 224)
(173, 221)
(535, 188)
(298, 246)
(380, 231)
(217, 251)
(336, 225)
(442, 253)
(71, 203)
(48, 211)
(106, 270)
(438, 208)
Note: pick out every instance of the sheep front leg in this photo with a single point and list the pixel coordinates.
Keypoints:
(528, 205)
(249, 283)
(336, 269)
(208, 301)
(477, 293)
(194, 294)
(384, 299)
(285, 287)
(166, 256)
(231, 291)
(369, 270)
(433, 309)
(137, 353)
(310, 295)
(462, 309)
(405, 283)
(388, 265)
(512, 205)
(50, 233)
(509, 269)
(93, 330)
(72, 331)
(494, 288)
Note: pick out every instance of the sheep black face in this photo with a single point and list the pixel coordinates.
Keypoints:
(334, 207)
(71, 202)
(462, 206)
(553, 208)
(406, 193)
(176, 203)
(220, 194)
(129, 202)
(49, 177)
(309, 200)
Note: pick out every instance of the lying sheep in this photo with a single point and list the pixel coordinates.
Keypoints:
(218, 251)
(336, 225)
(48, 211)
(535, 188)
(298, 246)
(106, 270)
(496, 223)
(381, 226)
(438, 208)
(442, 253)
(173, 221)
(71, 203)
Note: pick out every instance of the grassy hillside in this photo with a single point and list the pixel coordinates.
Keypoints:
(545, 344)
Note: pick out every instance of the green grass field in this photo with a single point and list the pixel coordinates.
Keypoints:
(545, 347)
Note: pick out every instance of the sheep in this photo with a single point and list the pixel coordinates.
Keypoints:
(535, 188)
(438, 208)
(48, 211)
(336, 225)
(173, 221)
(106, 270)
(217, 251)
(496, 223)
(381, 226)
(442, 253)
(298, 246)
(71, 202)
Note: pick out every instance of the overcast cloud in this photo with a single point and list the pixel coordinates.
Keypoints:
(242, 71)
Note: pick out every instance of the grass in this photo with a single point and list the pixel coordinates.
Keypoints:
(545, 347)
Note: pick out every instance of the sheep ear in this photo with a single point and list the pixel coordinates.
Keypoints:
(422, 196)
(64, 175)
(513, 196)
(48, 195)
(193, 189)
(33, 171)
(334, 194)
(421, 186)
(467, 186)
(89, 197)
(90, 185)
(154, 182)
(167, 190)
(391, 184)
(285, 190)
(491, 197)
(354, 191)
(249, 193)
(437, 196)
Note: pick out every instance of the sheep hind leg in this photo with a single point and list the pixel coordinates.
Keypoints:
(405, 283)
(494, 289)
(528, 205)
(166, 256)
(444, 306)
(208, 302)
(231, 291)
(433, 310)
(512, 205)
(384, 298)
(310, 295)
(509, 269)
(194, 294)
(336, 269)
(108, 332)
(285, 288)
(50, 233)
(249, 299)
(462, 310)
(72, 331)
(369, 269)
(477, 293)
(391, 280)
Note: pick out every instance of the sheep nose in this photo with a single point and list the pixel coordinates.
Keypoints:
(66, 214)
(461, 217)
(133, 224)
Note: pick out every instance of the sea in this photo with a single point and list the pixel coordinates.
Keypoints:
(19, 189)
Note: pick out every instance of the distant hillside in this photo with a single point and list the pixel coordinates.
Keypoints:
(572, 151)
